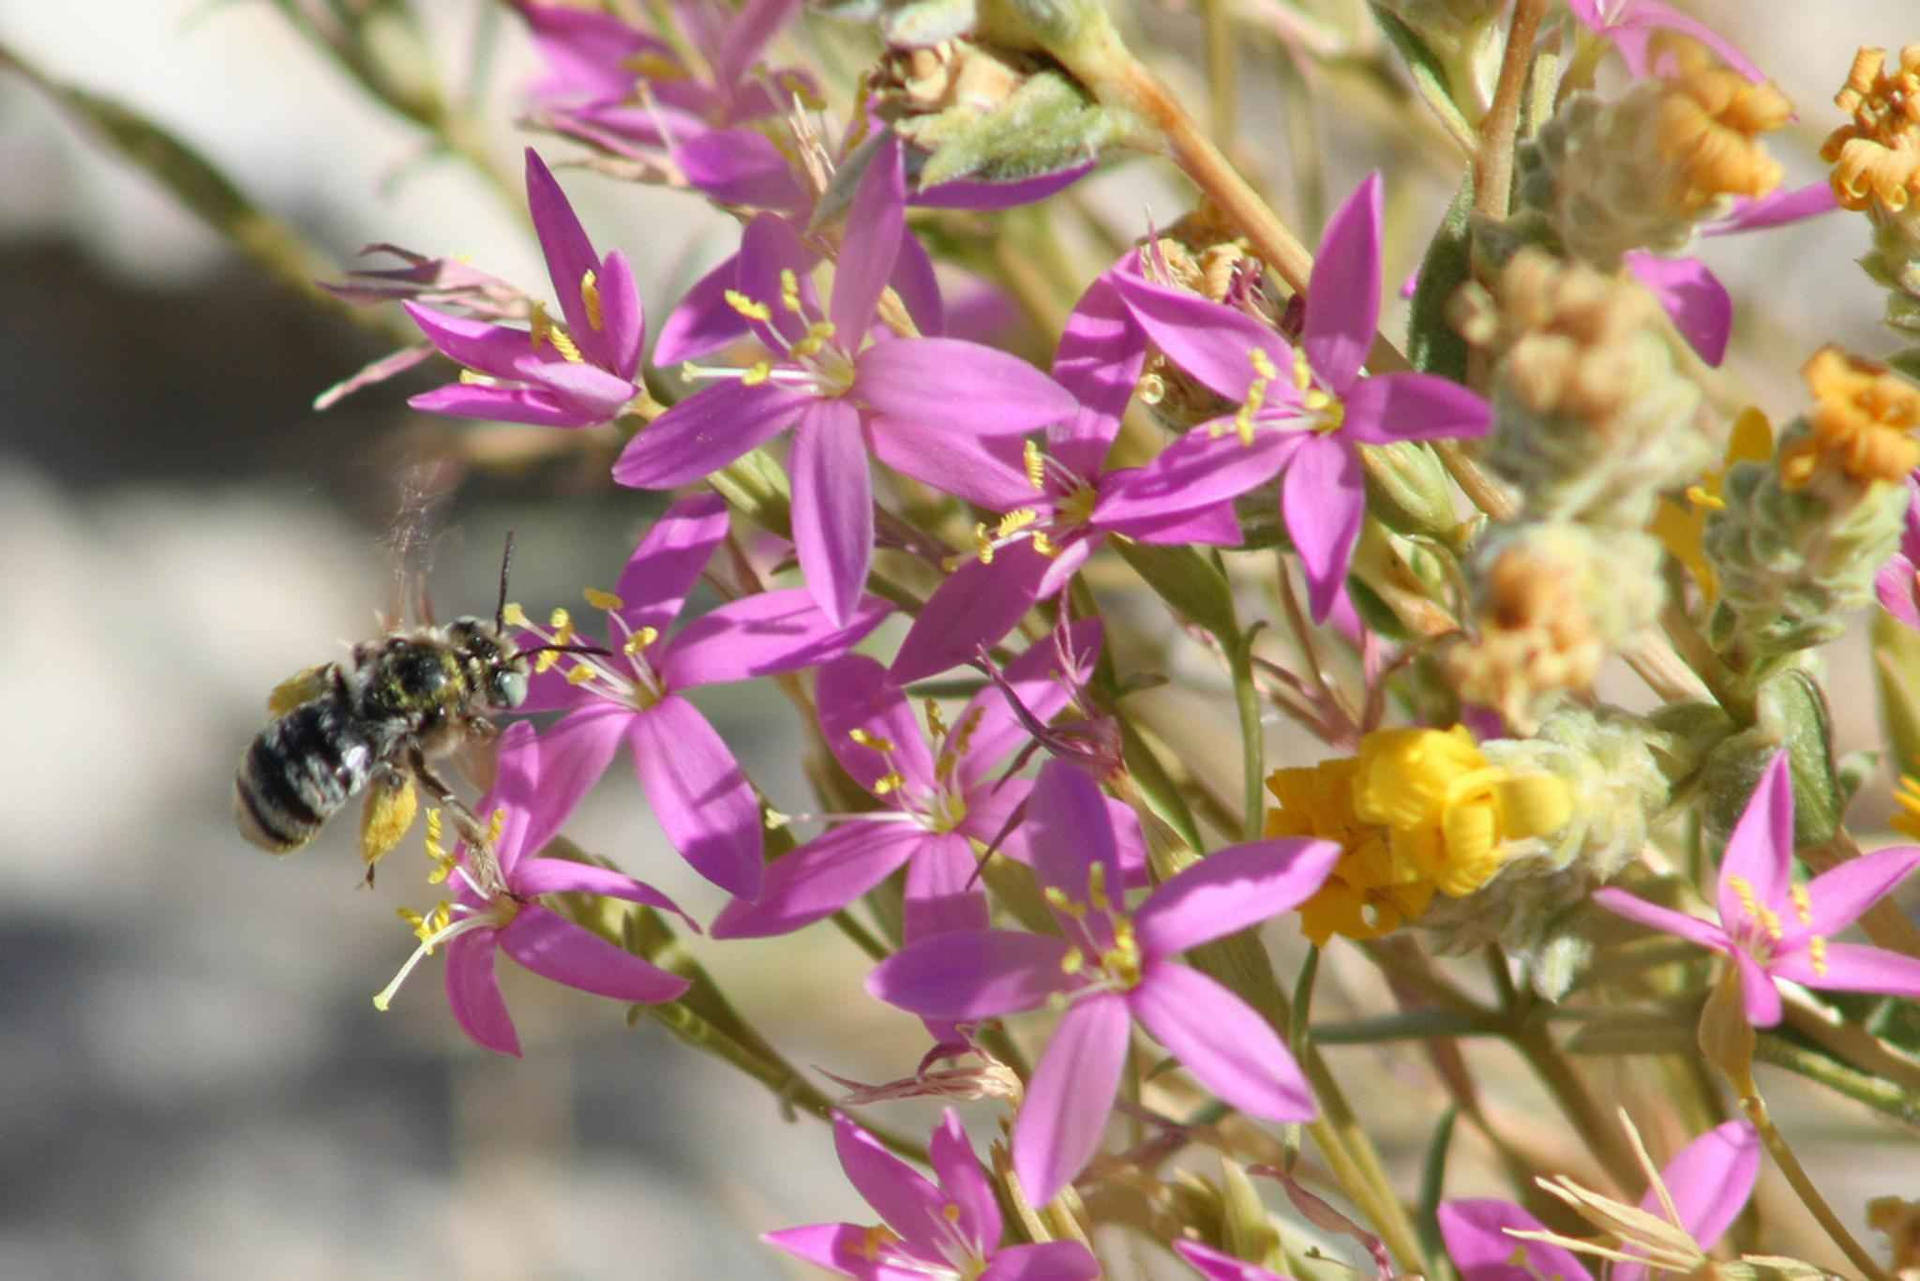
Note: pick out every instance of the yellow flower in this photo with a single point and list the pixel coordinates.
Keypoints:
(1419, 812)
(1863, 418)
(1681, 525)
(1876, 156)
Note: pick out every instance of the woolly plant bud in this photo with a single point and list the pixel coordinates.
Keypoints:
(1609, 766)
(1592, 416)
(1203, 254)
(1797, 543)
(1876, 170)
(1550, 602)
(1639, 172)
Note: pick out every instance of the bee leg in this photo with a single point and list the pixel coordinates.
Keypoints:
(480, 851)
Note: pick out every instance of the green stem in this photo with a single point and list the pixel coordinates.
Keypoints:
(1253, 737)
(862, 937)
(1796, 1175)
(1596, 1128)
(1901, 1104)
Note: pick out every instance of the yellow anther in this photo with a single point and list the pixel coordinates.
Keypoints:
(1803, 905)
(1770, 922)
(1743, 890)
(474, 378)
(1073, 962)
(775, 820)
(982, 545)
(1056, 898)
(950, 1212)
(877, 1238)
(602, 600)
(789, 290)
(1817, 955)
(760, 372)
(542, 330)
(1262, 364)
(866, 739)
(579, 674)
(1015, 521)
(590, 299)
(560, 620)
(636, 644)
(1036, 465)
(1043, 544)
(935, 724)
(1302, 371)
(1097, 887)
(513, 615)
(496, 823)
(748, 307)
(888, 783)
(819, 334)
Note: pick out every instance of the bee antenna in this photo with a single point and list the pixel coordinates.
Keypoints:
(566, 649)
(500, 610)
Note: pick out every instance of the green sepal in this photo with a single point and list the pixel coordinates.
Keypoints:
(1793, 715)
(1896, 680)
(756, 486)
(1158, 790)
(1429, 73)
(1246, 1226)
(1191, 582)
(1433, 1184)
(1408, 489)
(1433, 345)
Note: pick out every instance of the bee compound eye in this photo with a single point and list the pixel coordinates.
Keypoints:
(508, 687)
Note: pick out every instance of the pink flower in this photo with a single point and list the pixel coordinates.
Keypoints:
(576, 374)
(1630, 26)
(635, 695)
(488, 916)
(1218, 1265)
(1114, 966)
(920, 405)
(947, 1230)
(1773, 928)
(1898, 582)
(1303, 413)
(1708, 1183)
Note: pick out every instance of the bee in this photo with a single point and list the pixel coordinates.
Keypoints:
(375, 722)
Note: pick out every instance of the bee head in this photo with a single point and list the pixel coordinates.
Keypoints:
(497, 669)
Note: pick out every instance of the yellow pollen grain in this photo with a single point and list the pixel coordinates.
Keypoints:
(579, 674)
(748, 307)
(888, 783)
(496, 823)
(1817, 955)
(760, 372)
(789, 290)
(590, 299)
(1802, 905)
(602, 600)
(950, 1212)
(1262, 364)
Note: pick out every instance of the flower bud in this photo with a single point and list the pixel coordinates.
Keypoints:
(1204, 254)
(1639, 172)
(1551, 601)
(1592, 417)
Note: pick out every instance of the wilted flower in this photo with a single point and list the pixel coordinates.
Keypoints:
(1111, 967)
(1771, 927)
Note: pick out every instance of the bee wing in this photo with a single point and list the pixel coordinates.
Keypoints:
(424, 490)
(387, 816)
(303, 686)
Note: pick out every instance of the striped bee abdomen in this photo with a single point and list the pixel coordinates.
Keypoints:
(301, 768)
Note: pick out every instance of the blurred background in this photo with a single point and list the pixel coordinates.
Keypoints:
(193, 1081)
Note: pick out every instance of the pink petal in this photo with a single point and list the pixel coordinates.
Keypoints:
(1198, 471)
(537, 876)
(964, 1182)
(1664, 919)
(973, 193)
(832, 506)
(535, 406)
(1216, 526)
(1636, 21)
(1853, 967)
(1757, 992)
(473, 994)
(555, 948)
(623, 318)
(1710, 1179)
(919, 289)
(1070, 831)
(768, 247)
(1218, 1037)
(986, 472)
(1211, 341)
(1390, 407)
(1218, 1265)
(876, 222)
(1477, 1242)
(821, 877)
(574, 754)
(1781, 207)
(837, 1247)
(585, 50)
(977, 605)
(1322, 500)
(1760, 851)
(949, 384)
(972, 975)
(1836, 898)
(592, 392)
(699, 794)
(746, 37)
(1230, 890)
(1101, 352)
(740, 167)
(777, 631)
(1897, 584)
(1040, 685)
(943, 892)
(1343, 294)
(706, 431)
(904, 1198)
(1065, 1113)
(1693, 296)
(1047, 1261)
(486, 348)
(855, 693)
(669, 561)
(570, 256)
(703, 323)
